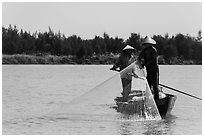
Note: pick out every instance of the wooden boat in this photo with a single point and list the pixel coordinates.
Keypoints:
(140, 100)
(164, 104)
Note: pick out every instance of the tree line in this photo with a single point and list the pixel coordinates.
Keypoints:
(16, 41)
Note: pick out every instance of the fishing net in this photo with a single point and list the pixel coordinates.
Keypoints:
(106, 99)
(140, 104)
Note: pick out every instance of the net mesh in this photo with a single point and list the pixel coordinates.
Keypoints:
(105, 99)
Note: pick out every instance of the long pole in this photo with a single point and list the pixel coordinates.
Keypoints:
(180, 91)
(174, 89)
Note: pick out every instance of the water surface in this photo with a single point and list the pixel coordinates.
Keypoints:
(35, 97)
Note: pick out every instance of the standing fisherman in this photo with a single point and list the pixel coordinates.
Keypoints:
(149, 55)
(125, 59)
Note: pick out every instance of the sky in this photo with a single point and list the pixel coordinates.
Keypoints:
(87, 19)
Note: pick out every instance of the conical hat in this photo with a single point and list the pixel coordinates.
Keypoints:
(149, 40)
(129, 47)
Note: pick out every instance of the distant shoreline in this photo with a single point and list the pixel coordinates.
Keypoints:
(53, 59)
(107, 59)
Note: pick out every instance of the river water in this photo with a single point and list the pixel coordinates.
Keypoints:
(35, 99)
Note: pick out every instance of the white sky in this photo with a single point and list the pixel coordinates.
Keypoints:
(116, 19)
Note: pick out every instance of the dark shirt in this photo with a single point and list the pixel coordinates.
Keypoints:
(149, 54)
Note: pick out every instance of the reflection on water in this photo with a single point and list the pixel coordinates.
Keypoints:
(125, 128)
(161, 127)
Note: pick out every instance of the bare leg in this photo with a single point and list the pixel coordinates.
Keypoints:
(126, 89)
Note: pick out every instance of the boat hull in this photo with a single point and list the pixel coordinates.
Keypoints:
(164, 105)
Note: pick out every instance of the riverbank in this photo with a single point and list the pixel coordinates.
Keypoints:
(95, 59)
(52, 59)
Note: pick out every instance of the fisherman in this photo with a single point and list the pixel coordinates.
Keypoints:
(149, 55)
(125, 59)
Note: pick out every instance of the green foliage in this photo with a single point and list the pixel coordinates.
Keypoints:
(135, 41)
(170, 51)
(22, 42)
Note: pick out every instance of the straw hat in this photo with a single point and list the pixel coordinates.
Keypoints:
(128, 47)
(149, 40)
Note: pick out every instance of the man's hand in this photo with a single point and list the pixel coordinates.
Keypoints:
(134, 75)
(113, 68)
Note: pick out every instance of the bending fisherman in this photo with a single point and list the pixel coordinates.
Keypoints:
(125, 59)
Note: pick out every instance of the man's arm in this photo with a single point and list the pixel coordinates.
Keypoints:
(153, 60)
(117, 64)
